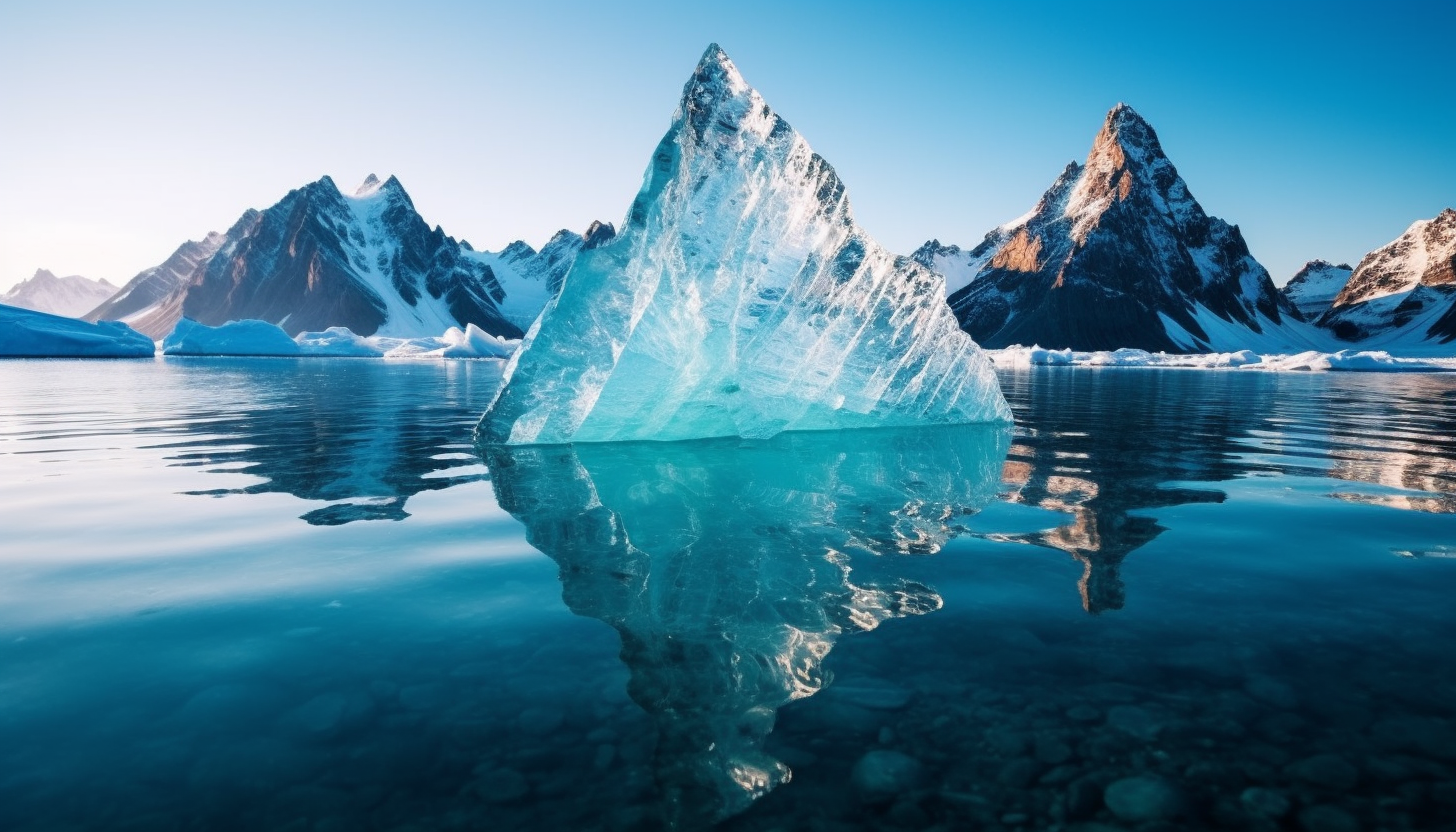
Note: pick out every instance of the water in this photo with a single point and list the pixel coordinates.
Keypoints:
(279, 594)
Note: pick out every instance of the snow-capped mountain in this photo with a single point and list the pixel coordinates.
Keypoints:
(1117, 253)
(1403, 291)
(320, 258)
(1313, 288)
(70, 296)
(740, 299)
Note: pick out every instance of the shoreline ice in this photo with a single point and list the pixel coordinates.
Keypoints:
(1377, 361)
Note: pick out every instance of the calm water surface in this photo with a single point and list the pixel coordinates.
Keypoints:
(293, 595)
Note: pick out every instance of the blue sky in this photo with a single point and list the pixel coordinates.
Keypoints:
(1322, 130)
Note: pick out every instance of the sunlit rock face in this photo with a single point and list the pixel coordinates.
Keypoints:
(1117, 253)
(1404, 291)
(725, 565)
(740, 299)
(368, 261)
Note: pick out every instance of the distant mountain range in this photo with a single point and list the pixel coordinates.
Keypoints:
(1118, 253)
(70, 296)
(367, 261)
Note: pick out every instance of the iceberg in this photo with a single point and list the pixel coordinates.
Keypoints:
(339, 342)
(740, 299)
(253, 338)
(25, 333)
(474, 342)
(731, 567)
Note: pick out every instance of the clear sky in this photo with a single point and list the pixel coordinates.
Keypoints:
(1321, 129)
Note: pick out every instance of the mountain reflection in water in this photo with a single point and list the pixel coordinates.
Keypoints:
(342, 431)
(1109, 467)
(726, 567)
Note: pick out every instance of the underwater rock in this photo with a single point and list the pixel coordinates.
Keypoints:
(1143, 798)
(1265, 803)
(880, 776)
(1326, 818)
(1328, 771)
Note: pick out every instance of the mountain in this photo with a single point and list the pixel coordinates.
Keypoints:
(740, 299)
(1117, 253)
(69, 296)
(1313, 288)
(1403, 291)
(367, 261)
(151, 302)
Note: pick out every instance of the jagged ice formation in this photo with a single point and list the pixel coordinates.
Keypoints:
(740, 298)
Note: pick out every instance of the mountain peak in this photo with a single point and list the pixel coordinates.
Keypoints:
(1127, 129)
(370, 184)
(1123, 113)
(715, 78)
(43, 274)
(714, 56)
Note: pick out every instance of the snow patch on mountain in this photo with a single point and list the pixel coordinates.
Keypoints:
(1315, 286)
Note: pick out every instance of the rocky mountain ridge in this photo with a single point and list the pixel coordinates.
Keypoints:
(367, 261)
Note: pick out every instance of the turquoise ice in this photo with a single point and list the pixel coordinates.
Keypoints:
(741, 299)
(726, 567)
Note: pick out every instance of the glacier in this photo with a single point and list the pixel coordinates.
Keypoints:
(26, 333)
(731, 568)
(740, 299)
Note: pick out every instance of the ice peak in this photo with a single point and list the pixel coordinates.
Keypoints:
(715, 59)
(715, 78)
(370, 185)
(740, 299)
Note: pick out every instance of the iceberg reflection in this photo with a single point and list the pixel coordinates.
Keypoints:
(726, 568)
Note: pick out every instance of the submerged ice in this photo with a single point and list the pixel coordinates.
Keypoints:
(726, 567)
(740, 299)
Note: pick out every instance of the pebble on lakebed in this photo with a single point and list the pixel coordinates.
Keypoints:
(881, 775)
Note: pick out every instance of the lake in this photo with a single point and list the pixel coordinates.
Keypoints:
(294, 595)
